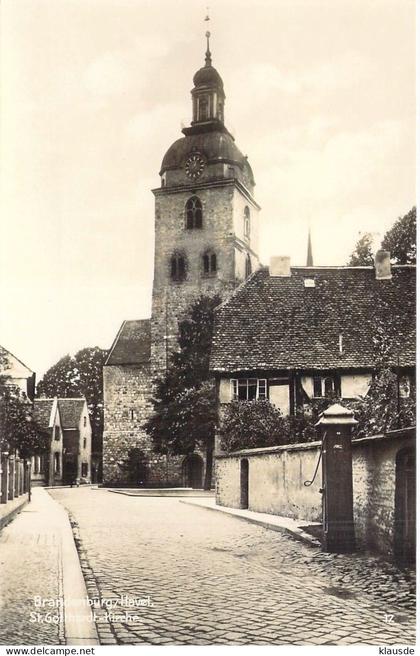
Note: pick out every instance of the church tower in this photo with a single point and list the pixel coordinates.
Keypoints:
(206, 242)
(206, 218)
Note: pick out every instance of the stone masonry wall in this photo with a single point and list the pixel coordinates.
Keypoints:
(276, 477)
(171, 299)
(127, 391)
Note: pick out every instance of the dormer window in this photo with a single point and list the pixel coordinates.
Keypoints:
(247, 222)
(178, 267)
(193, 213)
(209, 263)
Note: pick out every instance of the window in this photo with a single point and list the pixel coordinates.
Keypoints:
(35, 463)
(249, 389)
(248, 266)
(56, 463)
(193, 213)
(209, 263)
(84, 442)
(203, 108)
(247, 222)
(56, 432)
(178, 267)
(404, 385)
(132, 414)
(84, 469)
(324, 387)
(85, 421)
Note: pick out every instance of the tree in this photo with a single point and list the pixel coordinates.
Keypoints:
(400, 239)
(362, 254)
(184, 402)
(80, 375)
(384, 408)
(19, 431)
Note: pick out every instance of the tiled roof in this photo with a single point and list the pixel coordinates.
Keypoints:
(132, 344)
(70, 411)
(278, 323)
(42, 411)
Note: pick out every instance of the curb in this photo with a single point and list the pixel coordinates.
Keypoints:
(79, 629)
(297, 533)
(12, 512)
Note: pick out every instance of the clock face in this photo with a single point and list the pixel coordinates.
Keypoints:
(194, 166)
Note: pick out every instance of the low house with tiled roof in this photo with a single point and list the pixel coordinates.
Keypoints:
(47, 468)
(292, 334)
(77, 440)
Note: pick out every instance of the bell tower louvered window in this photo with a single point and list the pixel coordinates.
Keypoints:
(193, 213)
(209, 263)
(178, 267)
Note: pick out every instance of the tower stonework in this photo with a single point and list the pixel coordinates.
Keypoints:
(206, 242)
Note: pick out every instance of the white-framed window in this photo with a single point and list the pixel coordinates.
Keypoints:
(404, 383)
(56, 463)
(249, 389)
(324, 386)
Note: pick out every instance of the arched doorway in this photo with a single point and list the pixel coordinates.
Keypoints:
(192, 471)
(405, 506)
(244, 483)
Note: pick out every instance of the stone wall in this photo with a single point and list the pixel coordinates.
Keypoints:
(277, 474)
(374, 488)
(276, 477)
(127, 392)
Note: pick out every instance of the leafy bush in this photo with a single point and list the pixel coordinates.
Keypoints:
(252, 424)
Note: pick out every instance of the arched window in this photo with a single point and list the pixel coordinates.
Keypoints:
(193, 213)
(248, 266)
(203, 108)
(209, 263)
(178, 267)
(247, 222)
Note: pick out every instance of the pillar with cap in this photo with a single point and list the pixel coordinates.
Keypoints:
(336, 424)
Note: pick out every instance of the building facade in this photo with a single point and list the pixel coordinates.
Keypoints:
(206, 242)
(293, 335)
(68, 459)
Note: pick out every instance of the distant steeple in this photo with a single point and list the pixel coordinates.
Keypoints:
(309, 256)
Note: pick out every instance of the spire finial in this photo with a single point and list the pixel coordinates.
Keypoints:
(208, 53)
(309, 256)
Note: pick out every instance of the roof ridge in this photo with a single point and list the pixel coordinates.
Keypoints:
(239, 288)
(20, 361)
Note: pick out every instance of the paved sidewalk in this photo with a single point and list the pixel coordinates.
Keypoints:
(40, 576)
(274, 522)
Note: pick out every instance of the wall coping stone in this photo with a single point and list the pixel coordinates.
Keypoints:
(307, 446)
(303, 446)
(399, 433)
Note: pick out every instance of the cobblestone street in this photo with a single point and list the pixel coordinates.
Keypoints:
(213, 579)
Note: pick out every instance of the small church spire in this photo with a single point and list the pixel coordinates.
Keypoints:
(208, 34)
(309, 256)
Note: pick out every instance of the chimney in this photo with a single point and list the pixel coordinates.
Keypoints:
(280, 266)
(383, 265)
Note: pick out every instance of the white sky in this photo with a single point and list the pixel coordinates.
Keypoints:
(320, 96)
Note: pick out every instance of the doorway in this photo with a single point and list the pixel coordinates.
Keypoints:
(405, 507)
(244, 484)
(193, 467)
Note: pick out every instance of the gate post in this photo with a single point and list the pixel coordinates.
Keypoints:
(4, 477)
(337, 479)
